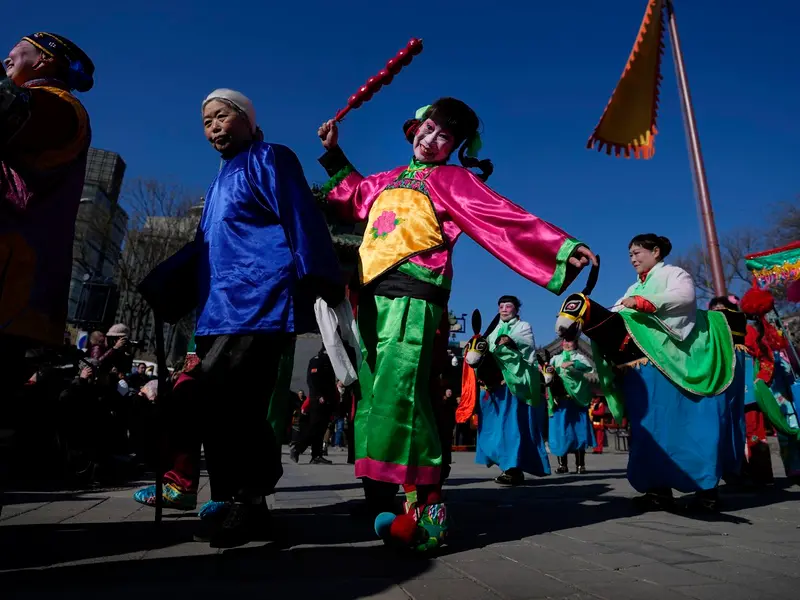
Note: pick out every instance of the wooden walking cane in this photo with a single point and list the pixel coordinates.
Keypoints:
(161, 396)
(171, 291)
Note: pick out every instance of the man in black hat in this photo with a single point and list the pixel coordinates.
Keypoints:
(42, 164)
(44, 141)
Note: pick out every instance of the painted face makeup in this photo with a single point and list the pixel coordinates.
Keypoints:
(432, 143)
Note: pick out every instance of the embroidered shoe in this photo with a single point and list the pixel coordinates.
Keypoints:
(422, 530)
(212, 510)
(172, 496)
(212, 515)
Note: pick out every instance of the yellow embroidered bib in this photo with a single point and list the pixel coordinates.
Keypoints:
(402, 223)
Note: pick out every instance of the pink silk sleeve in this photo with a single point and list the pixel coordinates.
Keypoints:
(352, 197)
(527, 244)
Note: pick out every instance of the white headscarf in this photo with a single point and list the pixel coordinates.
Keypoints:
(238, 100)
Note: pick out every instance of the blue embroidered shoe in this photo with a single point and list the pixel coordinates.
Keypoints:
(212, 510)
(172, 496)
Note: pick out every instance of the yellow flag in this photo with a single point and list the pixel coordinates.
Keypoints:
(628, 124)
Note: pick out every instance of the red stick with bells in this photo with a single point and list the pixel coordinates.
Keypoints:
(364, 94)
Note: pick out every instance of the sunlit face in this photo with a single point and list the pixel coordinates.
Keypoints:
(25, 62)
(226, 129)
(642, 259)
(432, 143)
(507, 311)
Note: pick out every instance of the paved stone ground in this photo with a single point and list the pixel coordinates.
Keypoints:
(560, 537)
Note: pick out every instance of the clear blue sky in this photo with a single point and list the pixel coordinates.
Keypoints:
(538, 73)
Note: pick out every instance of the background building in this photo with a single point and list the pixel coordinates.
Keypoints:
(100, 230)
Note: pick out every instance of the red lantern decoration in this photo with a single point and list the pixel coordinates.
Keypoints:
(384, 77)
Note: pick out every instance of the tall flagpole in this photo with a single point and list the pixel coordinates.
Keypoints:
(696, 156)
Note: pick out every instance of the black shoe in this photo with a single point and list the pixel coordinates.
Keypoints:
(244, 523)
(562, 470)
(653, 501)
(320, 461)
(581, 470)
(706, 501)
(294, 455)
(511, 479)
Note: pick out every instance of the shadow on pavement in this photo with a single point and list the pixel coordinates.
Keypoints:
(342, 573)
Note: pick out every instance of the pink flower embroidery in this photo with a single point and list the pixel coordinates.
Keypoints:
(385, 224)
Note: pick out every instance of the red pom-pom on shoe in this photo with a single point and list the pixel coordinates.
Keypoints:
(404, 528)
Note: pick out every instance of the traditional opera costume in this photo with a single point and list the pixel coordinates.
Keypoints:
(570, 430)
(769, 392)
(511, 416)
(415, 214)
(42, 170)
(684, 398)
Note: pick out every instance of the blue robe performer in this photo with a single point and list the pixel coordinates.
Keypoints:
(511, 416)
(570, 430)
(681, 399)
(264, 256)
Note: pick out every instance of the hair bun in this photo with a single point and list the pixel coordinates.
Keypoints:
(664, 245)
(410, 129)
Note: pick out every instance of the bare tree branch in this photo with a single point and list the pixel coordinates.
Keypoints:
(734, 246)
(782, 228)
(160, 223)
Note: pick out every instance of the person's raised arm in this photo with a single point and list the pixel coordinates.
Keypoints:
(348, 193)
(534, 248)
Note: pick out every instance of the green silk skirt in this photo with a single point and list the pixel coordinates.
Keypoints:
(396, 435)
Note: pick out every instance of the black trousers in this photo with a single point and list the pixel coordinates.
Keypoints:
(313, 434)
(237, 375)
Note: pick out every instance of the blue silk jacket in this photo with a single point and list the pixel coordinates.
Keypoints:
(265, 249)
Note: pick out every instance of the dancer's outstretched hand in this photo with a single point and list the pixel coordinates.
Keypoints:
(329, 134)
(582, 257)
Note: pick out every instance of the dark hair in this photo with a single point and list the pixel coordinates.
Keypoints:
(462, 122)
(726, 302)
(650, 241)
(513, 299)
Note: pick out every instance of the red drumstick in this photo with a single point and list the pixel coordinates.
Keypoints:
(384, 77)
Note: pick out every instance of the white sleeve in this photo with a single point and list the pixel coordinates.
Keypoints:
(349, 329)
(523, 337)
(328, 323)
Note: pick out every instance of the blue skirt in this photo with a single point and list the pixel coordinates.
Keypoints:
(510, 433)
(679, 440)
(570, 429)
